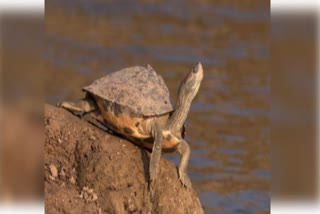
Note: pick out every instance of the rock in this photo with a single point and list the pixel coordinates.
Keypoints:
(110, 173)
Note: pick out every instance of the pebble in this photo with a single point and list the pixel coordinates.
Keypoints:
(62, 173)
(72, 180)
(53, 170)
(94, 197)
(131, 206)
(88, 195)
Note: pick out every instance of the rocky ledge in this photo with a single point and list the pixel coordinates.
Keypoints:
(88, 170)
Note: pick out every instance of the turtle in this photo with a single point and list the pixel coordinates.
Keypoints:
(135, 103)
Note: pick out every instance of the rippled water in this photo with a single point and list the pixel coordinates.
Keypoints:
(228, 126)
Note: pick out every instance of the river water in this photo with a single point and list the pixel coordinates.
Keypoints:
(228, 125)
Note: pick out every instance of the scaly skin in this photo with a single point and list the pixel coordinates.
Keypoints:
(187, 91)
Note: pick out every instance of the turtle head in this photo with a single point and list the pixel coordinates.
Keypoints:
(187, 91)
(191, 83)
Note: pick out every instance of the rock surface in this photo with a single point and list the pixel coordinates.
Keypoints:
(90, 171)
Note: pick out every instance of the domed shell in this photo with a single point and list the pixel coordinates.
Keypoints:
(138, 88)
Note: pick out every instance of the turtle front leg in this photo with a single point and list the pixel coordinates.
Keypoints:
(184, 151)
(81, 106)
(156, 151)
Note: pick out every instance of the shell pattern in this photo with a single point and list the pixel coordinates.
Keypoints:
(138, 88)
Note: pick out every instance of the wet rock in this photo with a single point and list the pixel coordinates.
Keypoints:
(105, 173)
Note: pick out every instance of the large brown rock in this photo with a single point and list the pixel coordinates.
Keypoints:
(90, 171)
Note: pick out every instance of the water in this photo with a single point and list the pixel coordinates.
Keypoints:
(228, 126)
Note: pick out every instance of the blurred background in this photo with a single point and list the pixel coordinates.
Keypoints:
(22, 97)
(229, 125)
(294, 106)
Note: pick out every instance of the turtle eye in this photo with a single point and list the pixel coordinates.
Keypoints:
(195, 70)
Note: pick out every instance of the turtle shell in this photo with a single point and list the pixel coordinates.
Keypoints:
(138, 88)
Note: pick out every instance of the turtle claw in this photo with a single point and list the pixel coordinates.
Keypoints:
(153, 175)
(152, 182)
(183, 177)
